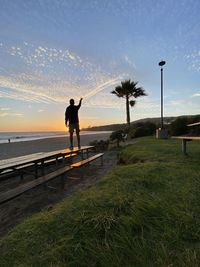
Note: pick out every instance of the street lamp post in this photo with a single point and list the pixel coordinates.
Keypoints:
(161, 64)
(161, 133)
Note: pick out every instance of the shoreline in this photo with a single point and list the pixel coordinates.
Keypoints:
(13, 137)
(17, 149)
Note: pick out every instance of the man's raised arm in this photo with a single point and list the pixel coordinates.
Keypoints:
(80, 102)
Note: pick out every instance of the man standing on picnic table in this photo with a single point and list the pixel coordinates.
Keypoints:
(71, 116)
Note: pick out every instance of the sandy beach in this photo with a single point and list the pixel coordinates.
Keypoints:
(44, 145)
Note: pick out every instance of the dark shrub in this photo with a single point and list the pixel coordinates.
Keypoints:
(118, 136)
(139, 132)
(179, 126)
(143, 129)
(100, 145)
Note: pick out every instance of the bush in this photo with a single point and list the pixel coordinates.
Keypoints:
(194, 119)
(143, 129)
(139, 132)
(100, 145)
(118, 136)
(179, 126)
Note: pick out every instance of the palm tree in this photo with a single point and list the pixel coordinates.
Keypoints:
(128, 90)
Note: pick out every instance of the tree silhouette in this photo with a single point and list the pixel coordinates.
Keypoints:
(128, 90)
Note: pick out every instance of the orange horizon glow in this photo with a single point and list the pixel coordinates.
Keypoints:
(37, 127)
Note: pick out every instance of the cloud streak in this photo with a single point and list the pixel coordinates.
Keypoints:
(196, 94)
(49, 75)
(101, 87)
(10, 114)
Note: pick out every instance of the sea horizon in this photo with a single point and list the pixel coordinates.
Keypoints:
(12, 137)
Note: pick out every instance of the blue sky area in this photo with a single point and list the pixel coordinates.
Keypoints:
(53, 50)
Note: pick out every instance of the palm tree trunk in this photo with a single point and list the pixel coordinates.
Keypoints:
(127, 111)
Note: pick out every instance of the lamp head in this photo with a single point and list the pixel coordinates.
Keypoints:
(161, 63)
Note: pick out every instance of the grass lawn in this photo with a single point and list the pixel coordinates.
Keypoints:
(146, 212)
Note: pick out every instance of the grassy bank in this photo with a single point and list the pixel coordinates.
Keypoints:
(146, 212)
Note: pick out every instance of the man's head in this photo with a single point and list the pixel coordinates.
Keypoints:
(71, 101)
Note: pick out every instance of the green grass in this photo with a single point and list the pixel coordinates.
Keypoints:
(146, 212)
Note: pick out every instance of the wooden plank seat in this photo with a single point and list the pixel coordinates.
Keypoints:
(87, 161)
(194, 124)
(12, 193)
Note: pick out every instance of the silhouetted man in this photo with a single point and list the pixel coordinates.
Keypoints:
(71, 116)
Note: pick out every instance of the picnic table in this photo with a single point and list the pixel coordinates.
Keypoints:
(194, 124)
(45, 178)
(38, 159)
(186, 139)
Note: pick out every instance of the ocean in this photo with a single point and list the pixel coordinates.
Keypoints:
(6, 137)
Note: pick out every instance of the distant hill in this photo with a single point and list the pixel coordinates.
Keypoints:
(115, 127)
(110, 127)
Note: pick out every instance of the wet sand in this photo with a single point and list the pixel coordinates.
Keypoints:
(17, 149)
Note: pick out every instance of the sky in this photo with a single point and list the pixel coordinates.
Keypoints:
(54, 50)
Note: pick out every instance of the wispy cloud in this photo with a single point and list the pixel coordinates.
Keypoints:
(53, 75)
(196, 94)
(4, 109)
(182, 106)
(10, 114)
(101, 87)
(193, 60)
(48, 57)
(131, 63)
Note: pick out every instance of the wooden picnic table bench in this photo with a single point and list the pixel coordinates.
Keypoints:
(88, 160)
(185, 139)
(12, 193)
(194, 124)
(18, 164)
(21, 163)
(14, 164)
(82, 150)
(188, 138)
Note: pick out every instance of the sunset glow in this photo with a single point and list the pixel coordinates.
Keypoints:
(51, 51)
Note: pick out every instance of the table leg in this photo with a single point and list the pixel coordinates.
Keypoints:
(36, 170)
(42, 163)
(101, 160)
(184, 146)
